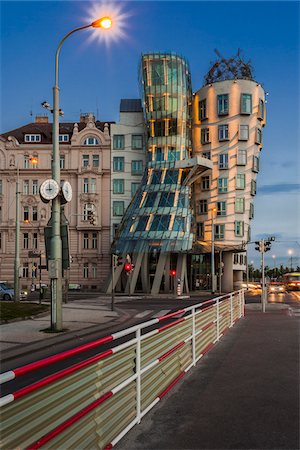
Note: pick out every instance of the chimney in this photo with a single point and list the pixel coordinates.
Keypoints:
(41, 118)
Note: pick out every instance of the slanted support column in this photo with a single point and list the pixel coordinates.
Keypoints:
(145, 273)
(167, 274)
(137, 261)
(159, 273)
(181, 272)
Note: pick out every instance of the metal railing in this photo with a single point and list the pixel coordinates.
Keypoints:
(94, 403)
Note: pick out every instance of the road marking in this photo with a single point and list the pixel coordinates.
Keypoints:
(143, 314)
(161, 313)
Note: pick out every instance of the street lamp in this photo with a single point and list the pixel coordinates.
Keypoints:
(290, 252)
(55, 264)
(213, 283)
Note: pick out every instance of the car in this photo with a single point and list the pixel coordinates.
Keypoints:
(74, 287)
(7, 292)
(276, 287)
(37, 286)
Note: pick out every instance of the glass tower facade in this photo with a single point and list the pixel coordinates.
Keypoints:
(159, 216)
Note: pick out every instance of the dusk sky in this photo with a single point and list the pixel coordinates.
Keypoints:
(95, 75)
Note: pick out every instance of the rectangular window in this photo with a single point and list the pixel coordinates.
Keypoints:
(62, 161)
(202, 207)
(26, 187)
(85, 270)
(241, 158)
(85, 185)
(95, 160)
(244, 132)
(240, 205)
(85, 240)
(25, 241)
(221, 208)
(150, 199)
(137, 142)
(26, 162)
(156, 177)
(202, 109)
(94, 271)
(85, 160)
(63, 138)
(219, 232)
(255, 165)
(118, 208)
(115, 228)
(253, 187)
(35, 187)
(246, 104)
(134, 188)
(93, 185)
(160, 223)
(261, 110)
(223, 104)
(35, 241)
(32, 138)
(258, 137)
(200, 230)
(178, 224)
(182, 201)
(158, 103)
(222, 185)
(223, 132)
(171, 177)
(118, 142)
(118, 186)
(95, 241)
(26, 214)
(239, 228)
(142, 223)
(118, 163)
(204, 135)
(166, 199)
(251, 211)
(25, 270)
(206, 155)
(34, 213)
(240, 181)
(223, 161)
(136, 167)
(171, 127)
(205, 183)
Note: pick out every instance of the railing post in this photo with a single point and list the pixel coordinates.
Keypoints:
(218, 319)
(138, 374)
(194, 336)
(240, 302)
(231, 310)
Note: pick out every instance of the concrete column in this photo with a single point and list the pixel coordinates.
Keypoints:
(167, 274)
(227, 279)
(159, 273)
(145, 273)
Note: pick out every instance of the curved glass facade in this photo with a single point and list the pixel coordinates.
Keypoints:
(159, 216)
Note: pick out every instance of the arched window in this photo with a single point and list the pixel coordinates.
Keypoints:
(91, 141)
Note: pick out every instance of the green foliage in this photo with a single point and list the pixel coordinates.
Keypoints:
(18, 310)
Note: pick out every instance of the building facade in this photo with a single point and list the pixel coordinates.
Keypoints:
(85, 163)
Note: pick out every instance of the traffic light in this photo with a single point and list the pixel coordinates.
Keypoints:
(267, 246)
(257, 246)
(128, 267)
(173, 273)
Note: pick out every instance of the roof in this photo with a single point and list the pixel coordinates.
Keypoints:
(131, 105)
(45, 130)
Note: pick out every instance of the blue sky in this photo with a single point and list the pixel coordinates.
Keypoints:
(94, 77)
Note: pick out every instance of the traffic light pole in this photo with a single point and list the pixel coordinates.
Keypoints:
(113, 265)
(263, 293)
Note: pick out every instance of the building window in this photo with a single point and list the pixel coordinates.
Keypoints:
(205, 183)
(202, 109)
(95, 160)
(178, 224)
(244, 132)
(26, 162)
(32, 138)
(35, 187)
(246, 104)
(200, 230)
(25, 270)
(86, 208)
(118, 142)
(261, 109)
(241, 158)
(240, 181)
(63, 138)
(166, 199)
(62, 162)
(26, 187)
(115, 229)
(85, 185)
(223, 161)
(134, 188)
(93, 185)
(160, 223)
(258, 137)
(157, 73)
(223, 104)
(202, 207)
(85, 240)
(34, 213)
(222, 185)
(182, 201)
(221, 208)
(156, 177)
(118, 208)
(251, 211)
(91, 141)
(94, 241)
(26, 214)
(255, 165)
(223, 132)
(85, 160)
(240, 205)
(171, 177)
(118, 164)
(204, 135)
(219, 232)
(206, 155)
(239, 228)
(142, 223)
(253, 187)
(118, 186)
(85, 270)
(35, 241)
(94, 270)
(25, 241)
(137, 142)
(136, 167)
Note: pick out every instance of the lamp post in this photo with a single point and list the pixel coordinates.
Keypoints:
(213, 287)
(55, 263)
(290, 252)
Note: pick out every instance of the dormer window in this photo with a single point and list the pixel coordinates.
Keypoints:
(32, 138)
(63, 138)
(91, 141)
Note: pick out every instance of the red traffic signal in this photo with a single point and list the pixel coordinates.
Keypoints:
(173, 273)
(128, 267)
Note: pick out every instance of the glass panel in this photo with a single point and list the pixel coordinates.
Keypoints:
(156, 177)
(167, 199)
(171, 177)
(157, 72)
(151, 196)
(142, 223)
(178, 224)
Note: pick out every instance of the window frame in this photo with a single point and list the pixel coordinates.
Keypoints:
(118, 142)
(246, 110)
(223, 132)
(223, 165)
(223, 104)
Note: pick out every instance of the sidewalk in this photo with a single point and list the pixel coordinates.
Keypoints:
(244, 394)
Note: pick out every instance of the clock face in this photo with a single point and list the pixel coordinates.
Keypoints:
(66, 190)
(49, 189)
